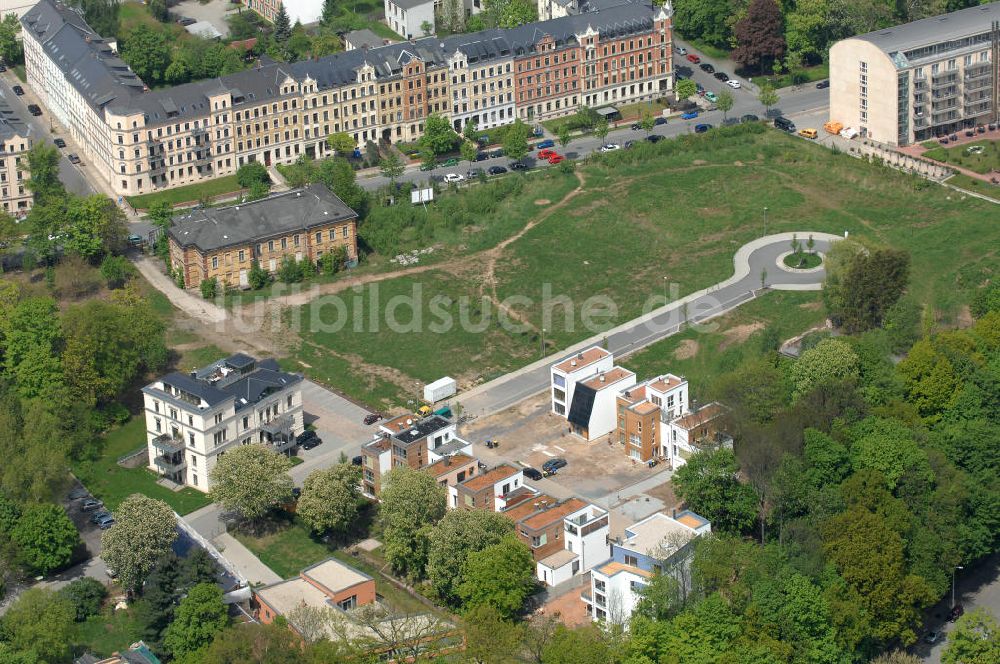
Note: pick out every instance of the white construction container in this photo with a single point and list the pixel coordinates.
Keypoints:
(440, 389)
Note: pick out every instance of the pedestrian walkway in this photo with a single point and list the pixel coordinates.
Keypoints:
(194, 306)
(249, 565)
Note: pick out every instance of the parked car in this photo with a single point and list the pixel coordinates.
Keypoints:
(784, 124)
(98, 515)
(186, 21)
(77, 492)
(956, 612)
(134, 240)
(693, 58)
(610, 147)
(448, 163)
(453, 177)
(547, 143)
(722, 76)
(654, 138)
(34, 109)
(532, 473)
(749, 117)
(3, 67)
(306, 436)
(734, 84)
(60, 143)
(18, 90)
(556, 158)
(822, 84)
(357, 461)
(711, 97)
(496, 153)
(932, 637)
(518, 166)
(482, 156)
(636, 126)
(702, 128)
(474, 173)
(627, 144)
(91, 504)
(808, 133)
(496, 170)
(680, 50)
(311, 443)
(729, 122)
(546, 153)
(705, 67)
(427, 167)
(659, 121)
(689, 115)
(73, 159)
(555, 464)
(372, 418)
(106, 522)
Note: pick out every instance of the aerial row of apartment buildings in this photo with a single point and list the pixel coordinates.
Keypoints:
(15, 140)
(142, 140)
(650, 420)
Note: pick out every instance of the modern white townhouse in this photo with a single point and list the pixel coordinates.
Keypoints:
(193, 419)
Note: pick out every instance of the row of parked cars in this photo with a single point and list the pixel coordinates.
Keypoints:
(101, 517)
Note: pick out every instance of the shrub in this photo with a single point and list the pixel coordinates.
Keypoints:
(179, 278)
(209, 288)
(86, 595)
(250, 173)
(307, 268)
(116, 270)
(290, 271)
(258, 276)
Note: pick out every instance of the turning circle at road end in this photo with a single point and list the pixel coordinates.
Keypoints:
(780, 262)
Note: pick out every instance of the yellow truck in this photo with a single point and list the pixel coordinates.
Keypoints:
(833, 127)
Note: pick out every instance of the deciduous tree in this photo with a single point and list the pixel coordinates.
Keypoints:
(251, 480)
(724, 102)
(86, 594)
(412, 502)
(11, 49)
(975, 639)
(147, 52)
(40, 622)
(768, 97)
(331, 500)
(200, 616)
(760, 36)
(459, 534)
(46, 537)
(250, 173)
(144, 531)
(711, 487)
(341, 143)
(685, 88)
(338, 176)
(489, 638)
(500, 576)
(439, 137)
(515, 144)
(829, 360)
(392, 167)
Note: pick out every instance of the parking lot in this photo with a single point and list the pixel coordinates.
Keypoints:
(529, 435)
(339, 423)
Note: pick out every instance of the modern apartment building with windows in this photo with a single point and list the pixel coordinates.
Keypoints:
(913, 82)
(143, 140)
(15, 141)
(193, 419)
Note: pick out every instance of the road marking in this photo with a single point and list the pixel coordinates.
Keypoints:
(547, 453)
(559, 448)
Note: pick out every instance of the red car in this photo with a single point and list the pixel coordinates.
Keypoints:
(546, 153)
(693, 58)
(556, 158)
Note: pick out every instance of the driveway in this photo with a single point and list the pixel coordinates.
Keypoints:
(214, 12)
(338, 421)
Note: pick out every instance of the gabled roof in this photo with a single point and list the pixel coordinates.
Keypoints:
(935, 29)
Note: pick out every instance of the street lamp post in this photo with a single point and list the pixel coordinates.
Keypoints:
(542, 346)
(765, 220)
(953, 572)
(665, 298)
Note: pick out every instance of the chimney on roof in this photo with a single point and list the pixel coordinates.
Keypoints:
(673, 512)
(602, 378)
(409, 422)
(572, 363)
(447, 461)
(579, 356)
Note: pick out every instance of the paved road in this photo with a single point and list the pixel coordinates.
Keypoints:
(41, 130)
(744, 285)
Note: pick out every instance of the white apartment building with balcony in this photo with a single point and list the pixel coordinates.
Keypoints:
(193, 419)
(575, 369)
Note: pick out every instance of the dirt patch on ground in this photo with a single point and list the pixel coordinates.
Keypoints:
(699, 162)
(964, 318)
(568, 608)
(687, 349)
(542, 201)
(739, 334)
(664, 492)
(811, 306)
(737, 163)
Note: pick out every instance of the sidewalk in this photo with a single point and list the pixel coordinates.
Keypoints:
(249, 565)
(192, 305)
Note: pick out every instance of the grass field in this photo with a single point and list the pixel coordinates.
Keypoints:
(975, 184)
(113, 483)
(979, 157)
(187, 194)
(110, 631)
(677, 210)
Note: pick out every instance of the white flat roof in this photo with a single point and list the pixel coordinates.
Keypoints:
(657, 534)
(287, 595)
(335, 575)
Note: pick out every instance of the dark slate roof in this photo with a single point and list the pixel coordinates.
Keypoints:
(943, 28)
(363, 38)
(422, 429)
(296, 210)
(11, 124)
(239, 377)
(106, 81)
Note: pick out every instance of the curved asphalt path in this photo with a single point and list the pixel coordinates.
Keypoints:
(745, 285)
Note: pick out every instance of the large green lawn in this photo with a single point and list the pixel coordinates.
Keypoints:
(673, 212)
(979, 157)
(113, 483)
(191, 193)
(110, 631)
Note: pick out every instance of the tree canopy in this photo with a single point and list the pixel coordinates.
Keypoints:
(144, 530)
(251, 480)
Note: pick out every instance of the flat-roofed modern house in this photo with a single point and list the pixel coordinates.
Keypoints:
(193, 419)
(695, 432)
(410, 441)
(574, 369)
(330, 583)
(913, 82)
(592, 412)
(660, 543)
(223, 243)
(645, 411)
(486, 490)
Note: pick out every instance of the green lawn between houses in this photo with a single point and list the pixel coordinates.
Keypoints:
(677, 210)
(191, 193)
(113, 483)
(979, 157)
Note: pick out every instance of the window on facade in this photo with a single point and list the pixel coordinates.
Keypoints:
(631, 560)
